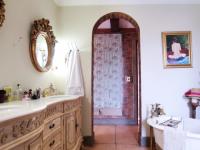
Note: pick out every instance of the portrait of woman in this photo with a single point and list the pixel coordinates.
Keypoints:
(177, 49)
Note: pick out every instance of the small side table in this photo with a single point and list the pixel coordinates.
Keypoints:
(152, 138)
(193, 103)
(152, 142)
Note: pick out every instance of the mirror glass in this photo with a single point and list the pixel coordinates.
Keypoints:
(41, 51)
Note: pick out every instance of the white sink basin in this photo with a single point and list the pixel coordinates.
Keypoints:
(8, 108)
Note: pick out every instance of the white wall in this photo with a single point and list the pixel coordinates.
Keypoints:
(15, 62)
(165, 86)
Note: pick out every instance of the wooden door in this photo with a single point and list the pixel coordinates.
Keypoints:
(70, 130)
(130, 105)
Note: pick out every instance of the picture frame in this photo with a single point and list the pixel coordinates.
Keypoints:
(177, 52)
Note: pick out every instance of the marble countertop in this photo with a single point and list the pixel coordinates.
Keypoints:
(15, 109)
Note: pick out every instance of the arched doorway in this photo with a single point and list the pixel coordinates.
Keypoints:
(131, 91)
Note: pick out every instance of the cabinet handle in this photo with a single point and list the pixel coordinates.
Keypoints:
(52, 143)
(77, 125)
(52, 126)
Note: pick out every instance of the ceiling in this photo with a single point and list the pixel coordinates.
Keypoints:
(122, 2)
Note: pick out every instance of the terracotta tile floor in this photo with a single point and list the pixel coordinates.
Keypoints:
(112, 137)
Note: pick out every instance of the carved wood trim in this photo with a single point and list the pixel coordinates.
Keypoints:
(71, 105)
(18, 127)
(22, 141)
(53, 110)
(42, 27)
(122, 31)
(2, 12)
(115, 15)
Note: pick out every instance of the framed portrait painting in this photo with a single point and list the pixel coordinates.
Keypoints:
(177, 49)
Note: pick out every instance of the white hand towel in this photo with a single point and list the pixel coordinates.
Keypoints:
(74, 75)
(174, 139)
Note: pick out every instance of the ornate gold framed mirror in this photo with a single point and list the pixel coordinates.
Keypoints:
(42, 45)
(2, 12)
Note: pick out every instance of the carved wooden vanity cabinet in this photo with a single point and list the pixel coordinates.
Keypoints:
(56, 127)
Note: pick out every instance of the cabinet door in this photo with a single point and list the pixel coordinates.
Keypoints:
(34, 143)
(78, 123)
(70, 130)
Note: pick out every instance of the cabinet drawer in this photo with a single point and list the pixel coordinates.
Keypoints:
(52, 126)
(53, 142)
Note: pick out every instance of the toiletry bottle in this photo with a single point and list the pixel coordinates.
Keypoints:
(18, 93)
(30, 93)
(52, 90)
(2, 96)
(38, 92)
(8, 90)
(25, 96)
(34, 95)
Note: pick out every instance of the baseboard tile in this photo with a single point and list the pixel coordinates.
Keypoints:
(88, 140)
(145, 141)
